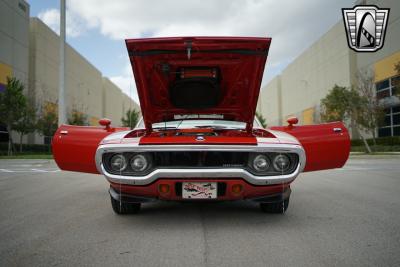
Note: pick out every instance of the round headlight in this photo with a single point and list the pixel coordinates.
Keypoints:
(139, 163)
(261, 163)
(281, 163)
(118, 162)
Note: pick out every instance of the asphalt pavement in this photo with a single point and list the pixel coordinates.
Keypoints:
(342, 217)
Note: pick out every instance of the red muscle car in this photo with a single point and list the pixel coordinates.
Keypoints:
(199, 139)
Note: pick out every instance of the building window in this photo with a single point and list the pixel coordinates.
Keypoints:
(22, 6)
(391, 124)
(383, 89)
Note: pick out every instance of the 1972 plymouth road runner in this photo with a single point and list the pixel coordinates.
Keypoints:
(199, 139)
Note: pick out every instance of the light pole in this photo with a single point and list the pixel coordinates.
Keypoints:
(61, 90)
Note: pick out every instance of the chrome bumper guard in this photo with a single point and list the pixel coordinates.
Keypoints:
(216, 173)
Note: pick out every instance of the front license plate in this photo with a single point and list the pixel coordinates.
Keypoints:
(199, 190)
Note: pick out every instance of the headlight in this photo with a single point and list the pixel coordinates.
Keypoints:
(261, 163)
(139, 163)
(118, 162)
(281, 163)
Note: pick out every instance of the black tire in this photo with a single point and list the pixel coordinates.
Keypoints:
(124, 207)
(275, 207)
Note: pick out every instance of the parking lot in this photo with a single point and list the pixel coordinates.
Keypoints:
(342, 217)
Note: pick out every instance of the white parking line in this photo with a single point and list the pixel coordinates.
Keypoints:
(26, 165)
(29, 170)
(39, 170)
(362, 169)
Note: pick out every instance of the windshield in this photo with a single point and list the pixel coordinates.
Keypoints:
(186, 124)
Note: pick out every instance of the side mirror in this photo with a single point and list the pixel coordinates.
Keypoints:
(292, 121)
(105, 122)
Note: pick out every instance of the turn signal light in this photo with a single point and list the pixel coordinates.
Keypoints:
(163, 188)
(237, 189)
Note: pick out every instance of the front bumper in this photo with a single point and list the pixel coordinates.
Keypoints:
(196, 173)
(225, 192)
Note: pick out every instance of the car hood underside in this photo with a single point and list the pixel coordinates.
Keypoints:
(182, 77)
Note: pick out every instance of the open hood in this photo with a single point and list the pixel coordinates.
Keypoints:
(198, 77)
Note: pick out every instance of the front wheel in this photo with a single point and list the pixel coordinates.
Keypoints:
(275, 207)
(124, 207)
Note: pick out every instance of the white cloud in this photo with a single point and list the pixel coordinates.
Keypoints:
(126, 82)
(75, 26)
(127, 85)
(293, 26)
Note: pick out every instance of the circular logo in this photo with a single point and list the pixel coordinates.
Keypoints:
(200, 138)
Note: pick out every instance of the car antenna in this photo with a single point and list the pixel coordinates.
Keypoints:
(179, 124)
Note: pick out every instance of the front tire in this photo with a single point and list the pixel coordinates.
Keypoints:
(275, 207)
(122, 208)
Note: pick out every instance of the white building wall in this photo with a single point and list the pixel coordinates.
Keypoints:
(14, 46)
(325, 63)
(310, 77)
(14, 37)
(269, 102)
(87, 91)
(83, 81)
(116, 103)
(392, 39)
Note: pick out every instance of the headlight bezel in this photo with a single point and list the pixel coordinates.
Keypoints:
(154, 162)
(293, 162)
(128, 170)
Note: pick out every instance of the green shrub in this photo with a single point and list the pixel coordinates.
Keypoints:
(383, 141)
(27, 149)
(378, 148)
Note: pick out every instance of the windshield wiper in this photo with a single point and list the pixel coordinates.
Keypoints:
(215, 127)
(164, 128)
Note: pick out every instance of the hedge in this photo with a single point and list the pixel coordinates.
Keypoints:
(383, 144)
(26, 149)
(377, 148)
(383, 141)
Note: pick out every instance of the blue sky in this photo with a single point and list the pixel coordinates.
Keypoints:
(104, 53)
(97, 28)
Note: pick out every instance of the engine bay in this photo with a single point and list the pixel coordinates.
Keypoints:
(211, 132)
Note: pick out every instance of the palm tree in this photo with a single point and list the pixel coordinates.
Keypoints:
(131, 118)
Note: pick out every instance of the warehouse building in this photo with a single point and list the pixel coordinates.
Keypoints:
(87, 91)
(29, 51)
(14, 46)
(14, 41)
(298, 90)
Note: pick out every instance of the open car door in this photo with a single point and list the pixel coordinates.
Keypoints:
(327, 145)
(74, 147)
